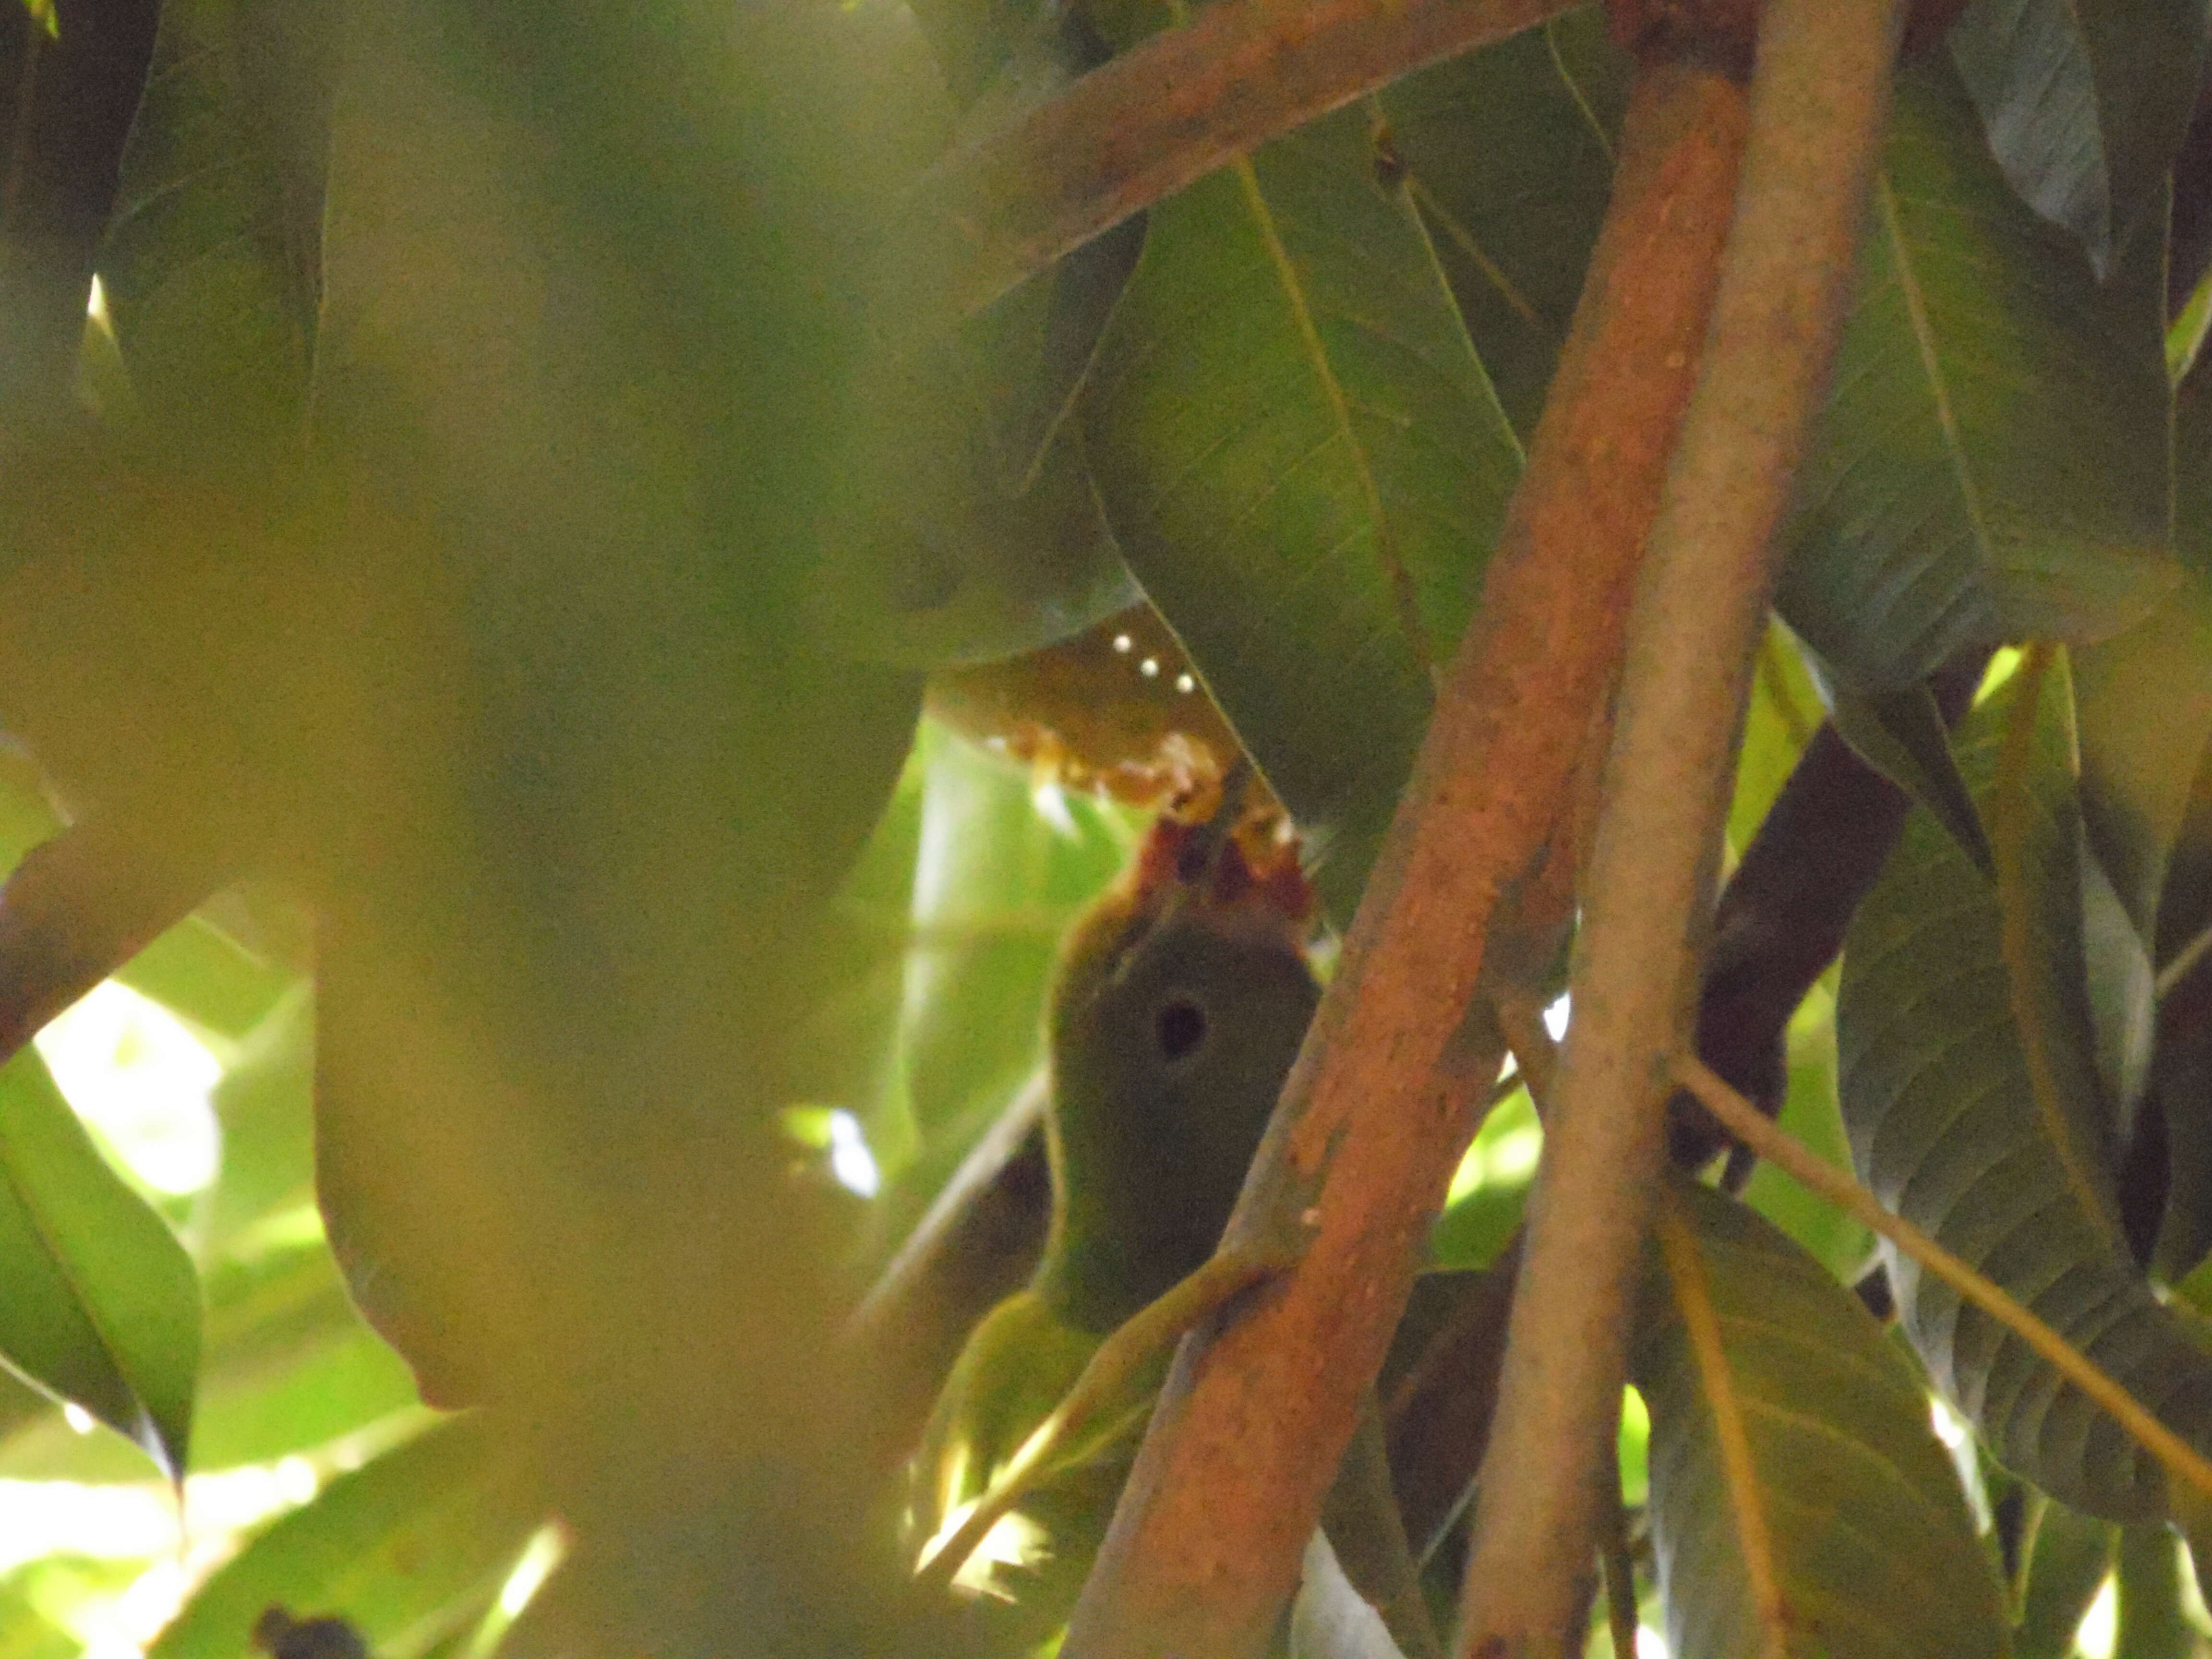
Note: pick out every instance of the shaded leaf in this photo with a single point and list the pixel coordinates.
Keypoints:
(2084, 103)
(1991, 464)
(1306, 467)
(1510, 153)
(408, 1547)
(1901, 734)
(102, 1307)
(2143, 705)
(1800, 1502)
(212, 262)
(1952, 1127)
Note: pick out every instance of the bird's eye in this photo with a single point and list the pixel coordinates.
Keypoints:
(1180, 1025)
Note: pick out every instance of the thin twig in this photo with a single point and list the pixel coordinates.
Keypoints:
(2176, 1455)
(1819, 99)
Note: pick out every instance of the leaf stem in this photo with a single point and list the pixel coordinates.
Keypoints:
(2181, 1461)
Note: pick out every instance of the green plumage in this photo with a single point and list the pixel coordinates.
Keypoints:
(1179, 1006)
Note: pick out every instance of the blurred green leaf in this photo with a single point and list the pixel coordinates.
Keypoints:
(102, 1307)
(265, 1106)
(1844, 1507)
(198, 970)
(1306, 467)
(1785, 711)
(2084, 103)
(410, 1546)
(1992, 462)
(289, 1366)
(1948, 1128)
(212, 262)
(1491, 1190)
(2151, 1623)
(27, 1633)
(2068, 1559)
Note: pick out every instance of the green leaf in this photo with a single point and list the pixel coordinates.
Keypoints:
(265, 1106)
(212, 262)
(1902, 736)
(2084, 103)
(2143, 703)
(1306, 467)
(1800, 1501)
(408, 1547)
(1508, 152)
(289, 1366)
(2068, 1559)
(1992, 461)
(1952, 1128)
(103, 1307)
(198, 970)
(27, 1633)
(2151, 1623)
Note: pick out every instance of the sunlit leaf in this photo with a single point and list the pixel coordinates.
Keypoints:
(2084, 103)
(102, 1306)
(1951, 1126)
(2068, 1559)
(1800, 1501)
(408, 1547)
(1991, 464)
(1305, 465)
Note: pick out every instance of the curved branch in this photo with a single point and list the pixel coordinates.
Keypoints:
(1819, 99)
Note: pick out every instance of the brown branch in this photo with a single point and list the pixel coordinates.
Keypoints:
(1158, 117)
(76, 909)
(1819, 99)
(1207, 1542)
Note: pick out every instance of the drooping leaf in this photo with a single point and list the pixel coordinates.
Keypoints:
(2068, 1560)
(1992, 461)
(102, 1306)
(1305, 465)
(212, 266)
(1971, 1098)
(1800, 1502)
(1508, 155)
(288, 1366)
(2152, 1624)
(1901, 734)
(2084, 103)
(408, 1547)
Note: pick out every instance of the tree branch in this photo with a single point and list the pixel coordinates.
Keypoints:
(1161, 116)
(1820, 95)
(1205, 1545)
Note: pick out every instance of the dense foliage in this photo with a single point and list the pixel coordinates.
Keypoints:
(600, 708)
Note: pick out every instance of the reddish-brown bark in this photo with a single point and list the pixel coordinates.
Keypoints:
(1205, 1545)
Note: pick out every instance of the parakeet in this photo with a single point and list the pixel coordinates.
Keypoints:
(1180, 1002)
